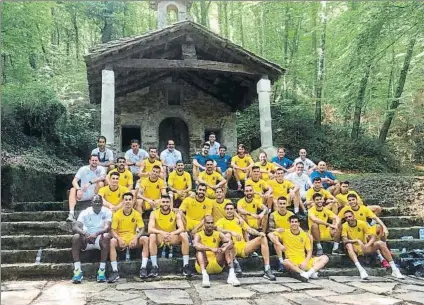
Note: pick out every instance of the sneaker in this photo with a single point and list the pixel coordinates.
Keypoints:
(237, 268)
(233, 280)
(320, 252)
(187, 271)
(337, 252)
(143, 273)
(385, 264)
(298, 276)
(239, 187)
(363, 274)
(281, 267)
(77, 278)
(205, 280)
(304, 275)
(254, 254)
(314, 275)
(154, 272)
(113, 277)
(396, 273)
(269, 276)
(71, 218)
(101, 276)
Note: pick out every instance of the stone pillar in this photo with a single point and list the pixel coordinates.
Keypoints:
(264, 89)
(108, 106)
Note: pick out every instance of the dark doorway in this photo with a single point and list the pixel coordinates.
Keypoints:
(129, 133)
(217, 133)
(177, 130)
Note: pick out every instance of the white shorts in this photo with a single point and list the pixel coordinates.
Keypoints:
(95, 246)
(87, 195)
(302, 193)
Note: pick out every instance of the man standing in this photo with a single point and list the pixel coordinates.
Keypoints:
(134, 156)
(359, 240)
(105, 154)
(212, 179)
(199, 161)
(308, 165)
(300, 179)
(125, 176)
(179, 182)
(214, 249)
(113, 193)
(167, 228)
(169, 157)
(147, 165)
(91, 231)
(128, 233)
(91, 178)
(214, 145)
(241, 163)
(280, 160)
(296, 243)
(329, 181)
(223, 162)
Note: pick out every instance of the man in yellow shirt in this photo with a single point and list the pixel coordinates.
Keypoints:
(248, 208)
(241, 163)
(260, 187)
(329, 200)
(235, 228)
(218, 210)
(125, 176)
(214, 249)
(267, 169)
(278, 222)
(359, 240)
(285, 188)
(113, 193)
(146, 165)
(166, 228)
(345, 191)
(212, 179)
(179, 182)
(194, 209)
(128, 233)
(319, 226)
(150, 190)
(296, 243)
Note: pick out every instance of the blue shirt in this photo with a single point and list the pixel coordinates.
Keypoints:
(325, 174)
(285, 162)
(222, 162)
(202, 160)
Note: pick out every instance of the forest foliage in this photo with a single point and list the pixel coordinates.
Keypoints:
(353, 93)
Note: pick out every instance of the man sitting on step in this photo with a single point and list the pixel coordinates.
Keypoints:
(329, 181)
(91, 231)
(125, 176)
(146, 165)
(128, 233)
(105, 154)
(343, 201)
(87, 182)
(236, 228)
(134, 156)
(280, 160)
(248, 208)
(319, 226)
(149, 191)
(308, 165)
(296, 242)
(212, 178)
(214, 249)
(179, 182)
(283, 187)
(241, 163)
(113, 194)
(329, 201)
(166, 228)
(199, 161)
(359, 240)
(218, 210)
(223, 163)
(261, 188)
(300, 179)
(267, 169)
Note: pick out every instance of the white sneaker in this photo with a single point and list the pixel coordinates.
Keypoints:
(233, 280)
(305, 275)
(396, 273)
(314, 275)
(205, 281)
(363, 274)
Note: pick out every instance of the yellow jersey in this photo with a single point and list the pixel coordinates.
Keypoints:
(114, 197)
(252, 207)
(196, 210)
(125, 178)
(126, 225)
(282, 221)
(219, 209)
(296, 245)
(342, 198)
(148, 165)
(152, 189)
(360, 231)
(165, 222)
(232, 225)
(361, 214)
(259, 186)
(269, 167)
(179, 182)
(242, 162)
(280, 188)
(322, 215)
(324, 193)
(211, 241)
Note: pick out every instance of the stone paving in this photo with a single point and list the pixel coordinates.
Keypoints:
(254, 291)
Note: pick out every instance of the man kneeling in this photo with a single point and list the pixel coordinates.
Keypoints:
(92, 232)
(213, 250)
(296, 242)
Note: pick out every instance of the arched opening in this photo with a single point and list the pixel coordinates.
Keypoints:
(177, 130)
(171, 14)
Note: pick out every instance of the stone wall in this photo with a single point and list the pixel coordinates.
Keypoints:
(147, 108)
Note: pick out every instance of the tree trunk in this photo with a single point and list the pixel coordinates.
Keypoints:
(359, 103)
(225, 10)
(399, 89)
(321, 67)
(75, 24)
(204, 8)
(314, 12)
(241, 27)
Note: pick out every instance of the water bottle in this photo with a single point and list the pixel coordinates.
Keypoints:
(127, 255)
(403, 250)
(421, 233)
(163, 251)
(38, 257)
(170, 252)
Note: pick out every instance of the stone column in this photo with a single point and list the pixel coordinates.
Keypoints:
(264, 89)
(108, 106)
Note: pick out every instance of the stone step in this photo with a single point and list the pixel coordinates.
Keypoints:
(398, 232)
(405, 243)
(34, 216)
(392, 211)
(401, 221)
(39, 206)
(30, 242)
(35, 228)
(129, 270)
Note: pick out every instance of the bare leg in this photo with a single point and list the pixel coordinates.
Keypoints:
(290, 266)
(254, 244)
(105, 247)
(278, 246)
(113, 246)
(320, 262)
(153, 245)
(184, 243)
(78, 242)
(72, 198)
(352, 253)
(376, 209)
(315, 232)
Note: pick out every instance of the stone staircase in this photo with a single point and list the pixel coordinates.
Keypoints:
(30, 226)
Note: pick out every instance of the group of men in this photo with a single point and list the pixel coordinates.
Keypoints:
(145, 184)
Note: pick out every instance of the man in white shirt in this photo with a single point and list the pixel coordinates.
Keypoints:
(134, 156)
(91, 231)
(105, 154)
(214, 149)
(169, 157)
(300, 179)
(308, 165)
(86, 183)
